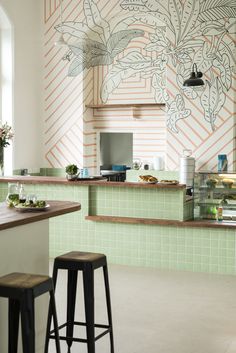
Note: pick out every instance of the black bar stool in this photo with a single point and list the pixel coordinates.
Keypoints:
(21, 289)
(86, 262)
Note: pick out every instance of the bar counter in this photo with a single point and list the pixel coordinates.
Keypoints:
(121, 219)
(134, 223)
(85, 182)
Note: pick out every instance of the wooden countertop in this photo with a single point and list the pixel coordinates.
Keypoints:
(10, 217)
(163, 222)
(64, 181)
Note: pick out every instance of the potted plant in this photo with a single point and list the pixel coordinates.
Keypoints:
(72, 171)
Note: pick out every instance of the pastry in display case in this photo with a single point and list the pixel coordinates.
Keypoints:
(215, 196)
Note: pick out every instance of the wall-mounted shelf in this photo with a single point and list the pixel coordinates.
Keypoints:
(127, 105)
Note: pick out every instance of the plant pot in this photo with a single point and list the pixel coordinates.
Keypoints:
(71, 177)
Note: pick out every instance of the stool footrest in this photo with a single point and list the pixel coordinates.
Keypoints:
(83, 340)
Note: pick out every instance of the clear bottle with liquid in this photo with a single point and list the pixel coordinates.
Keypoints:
(22, 194)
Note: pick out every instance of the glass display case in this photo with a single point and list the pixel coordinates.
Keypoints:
(215, 196)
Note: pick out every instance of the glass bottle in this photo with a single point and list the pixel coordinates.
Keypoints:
(22, 194)
(12, 198)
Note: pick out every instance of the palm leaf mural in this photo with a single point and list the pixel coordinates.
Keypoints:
(186, 23)
(158, 41)
(155, 20)
(113, 79)
(89, 46)
(90, 53)
(118, 41)
(78, 30)
(204, 29)
(126, 67)
(76, 67)
(94, 19)
(175, 9)
(136, 61)
(176, 111)
(212, 100)
(120, 23)
(190, 14)
(159, 84)
(217, 9)
(146, 6)
(223, 64)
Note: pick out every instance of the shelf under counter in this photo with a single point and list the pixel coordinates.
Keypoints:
(163, 222)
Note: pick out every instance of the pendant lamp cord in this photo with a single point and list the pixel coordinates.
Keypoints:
(195, 68)
(61, 15)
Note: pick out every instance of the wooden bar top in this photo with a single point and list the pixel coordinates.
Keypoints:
(10, 217)
(64, 181)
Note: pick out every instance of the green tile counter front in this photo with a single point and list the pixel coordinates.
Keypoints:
(161, 245)
(137, 202)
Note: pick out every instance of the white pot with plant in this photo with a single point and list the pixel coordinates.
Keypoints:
(72, 172)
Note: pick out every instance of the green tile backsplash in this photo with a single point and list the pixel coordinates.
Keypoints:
(191, 249)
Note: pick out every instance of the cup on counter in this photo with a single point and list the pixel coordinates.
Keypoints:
(158, 163)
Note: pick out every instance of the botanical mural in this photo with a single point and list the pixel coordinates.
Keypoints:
(142, 51)
(185, 33)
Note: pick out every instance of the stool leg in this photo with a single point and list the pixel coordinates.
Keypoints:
(71, 296)
(13, 328)
(88, 280)
(54, 278)
(108, 301)
(55, 322)
(27, 322)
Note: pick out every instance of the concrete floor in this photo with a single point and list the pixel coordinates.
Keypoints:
(158, 311)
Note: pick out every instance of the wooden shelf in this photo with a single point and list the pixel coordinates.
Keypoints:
(163, 222)
(132, 220)
(128, 105)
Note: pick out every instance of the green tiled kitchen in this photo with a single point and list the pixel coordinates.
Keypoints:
(117, 160)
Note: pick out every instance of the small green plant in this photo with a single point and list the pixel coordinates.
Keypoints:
(72, 169)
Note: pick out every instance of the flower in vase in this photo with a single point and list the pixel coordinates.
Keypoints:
(6, 134)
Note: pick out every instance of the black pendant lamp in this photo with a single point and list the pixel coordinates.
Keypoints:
(195, 78)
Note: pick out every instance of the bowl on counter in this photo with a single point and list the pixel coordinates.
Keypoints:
(227, 183)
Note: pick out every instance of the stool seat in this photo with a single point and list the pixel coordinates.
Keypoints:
(78, 260)
(21, 289)
(22, 280)
(81, 256)
(86, 262)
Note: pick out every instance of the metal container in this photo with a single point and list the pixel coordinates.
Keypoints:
(187, 168)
